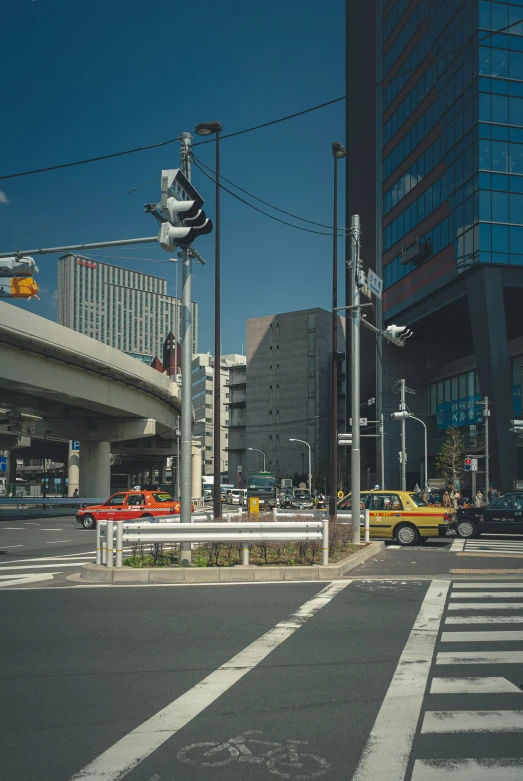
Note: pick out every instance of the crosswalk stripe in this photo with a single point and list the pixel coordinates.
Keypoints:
(11, 567)
(479, 657)
(467, 770)
(481, 637)
(486, 605)
(478, 594)
(457, 545)
(484, 620)
(489, 585)
(473, 686)
(472, 721)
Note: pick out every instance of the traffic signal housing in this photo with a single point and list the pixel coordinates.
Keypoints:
(180, 212)
(397, 334)
(468, 465)
(17, 274)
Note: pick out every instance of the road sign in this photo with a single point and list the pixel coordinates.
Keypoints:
(474, 465)
(375, 283)
(75, 445)
(3, 463)
(363, 421)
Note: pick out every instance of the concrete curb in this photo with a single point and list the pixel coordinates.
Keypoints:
(97, 573)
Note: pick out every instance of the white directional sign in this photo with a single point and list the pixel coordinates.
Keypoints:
(363, 421)
(375, 283)
(474, 464)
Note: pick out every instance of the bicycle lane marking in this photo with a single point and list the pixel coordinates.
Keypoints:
(118, 760)
(388, 749)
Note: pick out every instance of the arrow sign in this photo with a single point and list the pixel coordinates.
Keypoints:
(22, 580)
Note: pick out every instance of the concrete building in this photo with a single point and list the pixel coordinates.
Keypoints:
(446, 162)
(203, 403)
(125, 309)
(237, 425)
(287, 394)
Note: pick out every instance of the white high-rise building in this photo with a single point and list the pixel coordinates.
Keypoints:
(125, 309)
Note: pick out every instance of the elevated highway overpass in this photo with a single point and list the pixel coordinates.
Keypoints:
(80, 389)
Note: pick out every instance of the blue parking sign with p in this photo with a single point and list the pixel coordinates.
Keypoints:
(75, 445)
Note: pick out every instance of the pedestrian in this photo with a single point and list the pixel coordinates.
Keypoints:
(455, 496)
(478, 499)
(75, 493)
(446, 500)
(425, 497)
(492, 494)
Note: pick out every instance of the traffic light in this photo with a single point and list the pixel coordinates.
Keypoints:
(180, 212)
(398, 334)
(468, 465)
(517, 426)
(401, 415)
(21, 283)
(344, 440)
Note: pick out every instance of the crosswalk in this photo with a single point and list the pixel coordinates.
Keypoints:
(24, 572)
(502, 547)
(471, 726)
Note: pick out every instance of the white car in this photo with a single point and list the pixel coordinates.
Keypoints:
(302, 500)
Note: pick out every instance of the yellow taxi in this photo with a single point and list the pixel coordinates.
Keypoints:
(402, 516)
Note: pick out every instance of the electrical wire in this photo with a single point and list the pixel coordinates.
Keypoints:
(170, 141)
(261, 211)
(82, 211)
(341, 231)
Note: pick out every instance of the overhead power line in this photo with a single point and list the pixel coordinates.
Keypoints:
(170, 141)
(257, 209)
(341, 231)
(76, 214)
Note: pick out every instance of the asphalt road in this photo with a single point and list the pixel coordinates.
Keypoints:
(359, 680)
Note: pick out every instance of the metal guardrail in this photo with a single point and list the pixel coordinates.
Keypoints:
(245, 532)
(51, 501)
(343, 517)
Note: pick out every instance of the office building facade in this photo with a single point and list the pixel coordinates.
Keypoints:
(125, 309)
(203, 403)
(287, 395)
(448, 162)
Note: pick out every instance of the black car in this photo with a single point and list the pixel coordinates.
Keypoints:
(502, 516)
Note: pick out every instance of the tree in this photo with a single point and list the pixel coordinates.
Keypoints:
(450, 461)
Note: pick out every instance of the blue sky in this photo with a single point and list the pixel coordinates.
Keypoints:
(89, 79)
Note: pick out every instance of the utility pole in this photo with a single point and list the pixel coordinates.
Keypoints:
(186, 427)
(403, 408)
(486, 413)
(355, 378)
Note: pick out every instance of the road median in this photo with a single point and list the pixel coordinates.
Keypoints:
(99, 573)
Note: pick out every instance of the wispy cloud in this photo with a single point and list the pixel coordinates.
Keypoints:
(3, 197)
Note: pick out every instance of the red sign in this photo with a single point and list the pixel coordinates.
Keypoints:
(88, 263)
(240, 476)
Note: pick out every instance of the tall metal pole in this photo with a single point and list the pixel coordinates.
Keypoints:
(310, 470)
(403, 408)
(337, 151)
(382, 453)
(44, 487)
(486, 413)
(425, 476)
(186, 427)
(355, 384)
(217, 503)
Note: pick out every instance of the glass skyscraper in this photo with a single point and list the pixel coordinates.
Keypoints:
(444, 93)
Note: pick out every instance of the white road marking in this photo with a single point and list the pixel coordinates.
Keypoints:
(12, 546)
(13, 528)
(28, 523)
(468, 770)
(51, 530)
(17, 580)
(394, 547)
(59, 557)
(481, 637)
(138, 744)
(485, 594)
(488, 585)
(472, 721)
(473, 686)
(457, 545)
(55, 542)
(479, 657)
(484, 620)
(40, 566)
(387, 752)
(486, 605)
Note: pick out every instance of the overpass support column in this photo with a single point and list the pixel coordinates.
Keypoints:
(10, 475)
(95, 469)
(73, 471)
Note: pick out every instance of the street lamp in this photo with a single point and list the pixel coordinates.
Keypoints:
(209, 129)
(259, 451)
(338, 152)
(310, 466)
(404, 415)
